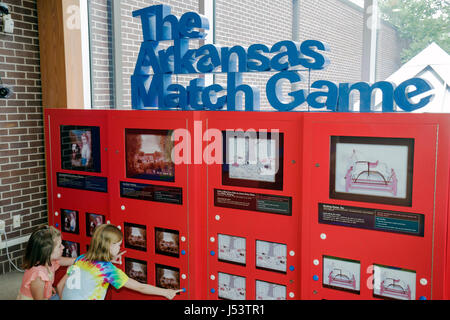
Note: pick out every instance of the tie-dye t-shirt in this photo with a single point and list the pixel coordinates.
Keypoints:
(90, 280)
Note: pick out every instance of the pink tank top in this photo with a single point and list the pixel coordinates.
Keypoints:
(46, 274)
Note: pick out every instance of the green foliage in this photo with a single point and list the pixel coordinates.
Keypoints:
(420, 22)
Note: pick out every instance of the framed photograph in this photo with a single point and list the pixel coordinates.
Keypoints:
(167, 242)
(341, 274)
(270, 291)
(71, 249)
(253, 159)
(368, 169)
(135, 236)
(394, 283)
(167, 277)
(70, 221)
(232, 249)
(93, 220)
(149, 154)
(271, 256)
(231, 287)
(80, 148)
(136, 269)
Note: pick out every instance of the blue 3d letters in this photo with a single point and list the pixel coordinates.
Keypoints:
(156, 67)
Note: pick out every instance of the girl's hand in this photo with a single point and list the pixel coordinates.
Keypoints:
(170, 294)
(118, 259)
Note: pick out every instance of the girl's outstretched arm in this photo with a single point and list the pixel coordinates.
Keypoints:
(66, 262)
(150, 290)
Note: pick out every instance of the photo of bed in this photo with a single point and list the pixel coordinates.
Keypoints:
(394, 283)
(341, 274)
(253, 159)
(370, 169)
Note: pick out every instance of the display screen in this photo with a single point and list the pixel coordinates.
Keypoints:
(232, 249)
(167, 242)
(253, 159)
(167, 277)
(70, 221)
(341, 274)
(80, 148)
(71, 249)
(231, 287)
(136, 269)
(271, 256)
(149, 154)
(369, 169)
(394, 283)
(135, 236)
(270, 291)
(93, 220)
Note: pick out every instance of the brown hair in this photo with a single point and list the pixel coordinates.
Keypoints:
(104, 236)
(40, 247)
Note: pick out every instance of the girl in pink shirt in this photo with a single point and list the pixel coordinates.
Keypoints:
(43, 256)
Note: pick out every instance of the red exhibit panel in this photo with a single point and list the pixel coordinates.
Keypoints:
(253, 206)
(150, 200)
(258, 205)
(77, 175)
(374, 223)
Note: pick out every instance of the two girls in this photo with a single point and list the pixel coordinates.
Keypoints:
(88, 277)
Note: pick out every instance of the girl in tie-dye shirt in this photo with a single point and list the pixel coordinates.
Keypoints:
(91, 274)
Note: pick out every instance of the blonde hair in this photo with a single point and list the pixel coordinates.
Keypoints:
(40, 247)
(104, 236)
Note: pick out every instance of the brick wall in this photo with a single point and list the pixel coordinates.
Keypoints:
(336, 22)
(100, 24)
(340, 26)
(22, 172)
(389, 45)
(132, 37)
(253, 21)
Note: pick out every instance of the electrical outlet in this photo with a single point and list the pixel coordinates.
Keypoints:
(16, 222)
(2, 226)
(8, 24)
